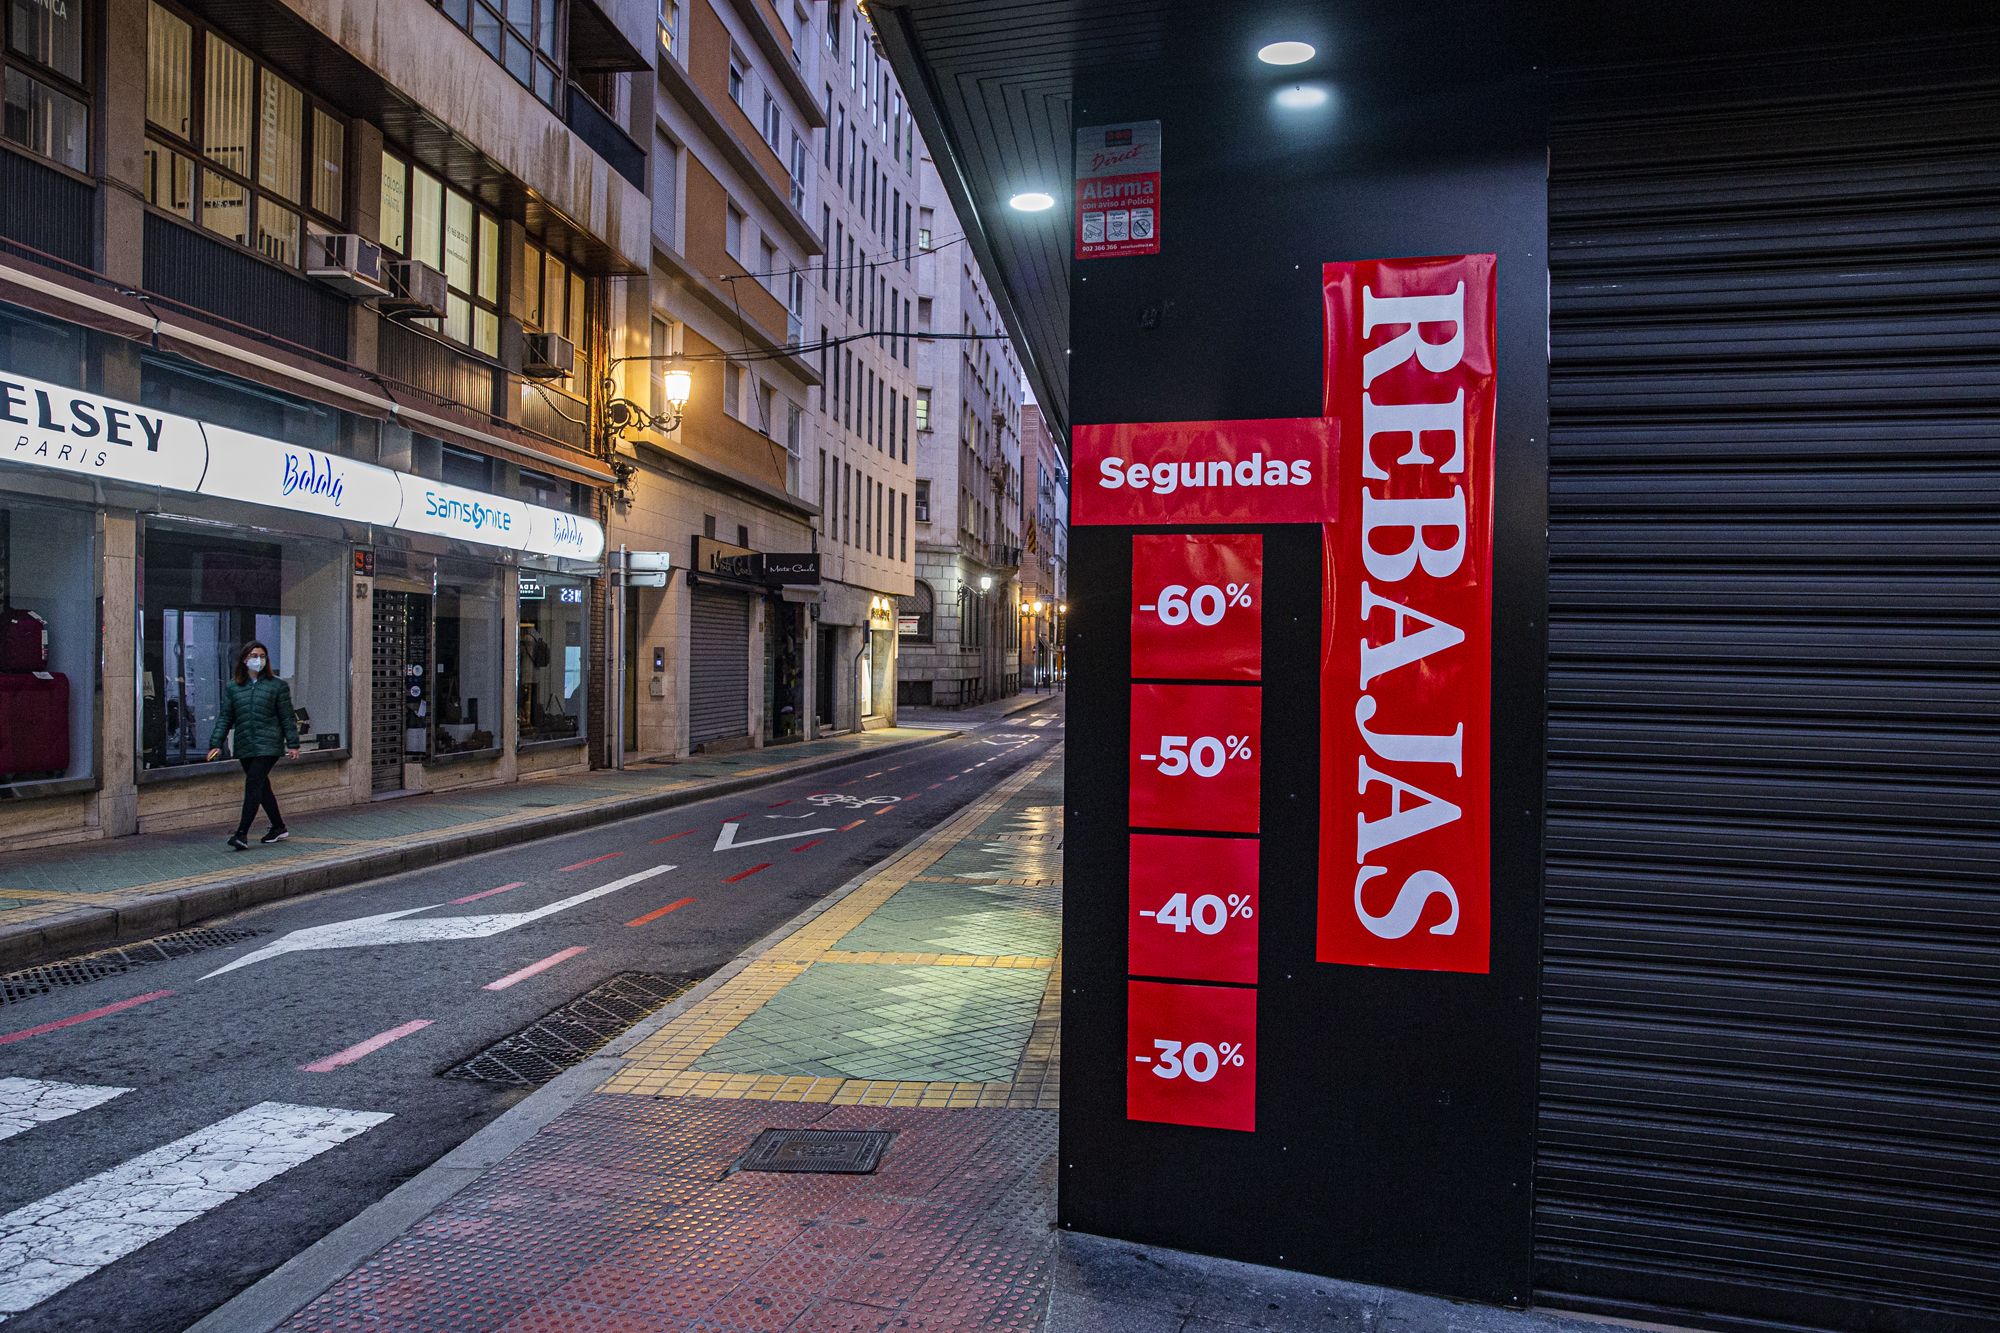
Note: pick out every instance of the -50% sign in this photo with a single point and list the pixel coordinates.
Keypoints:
(1191, 1055)
(1197, 609)
(1193, 913)
(1194, 757)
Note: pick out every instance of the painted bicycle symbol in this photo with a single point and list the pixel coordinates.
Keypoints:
(846, 802)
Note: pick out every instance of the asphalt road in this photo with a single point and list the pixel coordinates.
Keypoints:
(144, 1209)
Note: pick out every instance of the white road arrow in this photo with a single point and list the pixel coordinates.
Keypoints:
(390, 928)
(727, 839)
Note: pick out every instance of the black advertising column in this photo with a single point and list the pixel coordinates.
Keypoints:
(1307, 652)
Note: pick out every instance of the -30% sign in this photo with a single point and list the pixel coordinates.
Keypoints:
(1210, 1081)
(1205, 604)
(1207, 913)
(1204, 756)
(1198, 1060)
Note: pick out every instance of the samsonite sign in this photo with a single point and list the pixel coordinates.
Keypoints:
(63, 430)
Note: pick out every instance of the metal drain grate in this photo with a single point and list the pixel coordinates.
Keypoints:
(570, 1035)
(845, 1152)
(32, 981)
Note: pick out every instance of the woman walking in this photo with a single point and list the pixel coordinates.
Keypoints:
(258, 707)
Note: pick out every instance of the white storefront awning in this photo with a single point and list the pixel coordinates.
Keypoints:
(81, 434)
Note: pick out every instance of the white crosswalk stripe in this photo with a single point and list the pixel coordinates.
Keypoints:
(53, 1242)
(27, 1102)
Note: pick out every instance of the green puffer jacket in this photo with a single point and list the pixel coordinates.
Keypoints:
(261, 713)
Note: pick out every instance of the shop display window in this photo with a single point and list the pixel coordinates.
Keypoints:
(553, 655)
(48, 641)
(206, 591)
(469, 622)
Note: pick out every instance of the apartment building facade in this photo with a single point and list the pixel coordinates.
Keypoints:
(961, 628)
(721, 655)
(305, 315)
(864, 296)
(1044, 551)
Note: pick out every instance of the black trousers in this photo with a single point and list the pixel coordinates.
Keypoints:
(257, 791)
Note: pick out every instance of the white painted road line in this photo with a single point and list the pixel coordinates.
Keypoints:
(390, 928)
(49, 1244)
(27, 1102)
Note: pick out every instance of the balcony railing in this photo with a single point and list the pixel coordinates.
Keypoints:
(430, 364)
(188, 268)
(43, 209)
(605, 137)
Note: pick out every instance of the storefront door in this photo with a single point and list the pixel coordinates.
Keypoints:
(398, 686)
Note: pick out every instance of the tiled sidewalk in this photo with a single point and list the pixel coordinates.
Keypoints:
(157, 881)
(923, 1001)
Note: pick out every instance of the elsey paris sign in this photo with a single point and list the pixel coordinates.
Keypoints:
(47, 426)
(1398, 474)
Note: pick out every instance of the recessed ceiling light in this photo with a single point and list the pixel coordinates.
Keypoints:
(1286, 53)
(1301, 97)
(1032, 201)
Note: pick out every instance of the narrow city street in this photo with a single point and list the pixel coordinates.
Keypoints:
(174, 1132)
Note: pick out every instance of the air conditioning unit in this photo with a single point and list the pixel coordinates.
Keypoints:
(346, 262)
(923, 511)
(547, 356)
(416, 290)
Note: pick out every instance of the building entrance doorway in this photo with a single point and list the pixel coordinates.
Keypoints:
(399, 682)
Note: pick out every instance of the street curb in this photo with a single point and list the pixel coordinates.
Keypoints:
(293, 1285)
(87, 928)
(1022, 704)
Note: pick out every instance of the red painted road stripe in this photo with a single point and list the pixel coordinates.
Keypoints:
(913, 796)
(802, 846)
(475, 897)
(85, 1017)
(733, 819)
(953, 778)
(562, 956)
(369, 1047)
(671, 836)
(659, 912)
(884, 810)
(775, 804)
(592, 861)
(745, 874)
(856, 824)
(934, 786)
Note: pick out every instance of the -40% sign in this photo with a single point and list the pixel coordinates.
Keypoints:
(1204, 756)
(1208, 913)
(1197, 1061)
(1206, 604)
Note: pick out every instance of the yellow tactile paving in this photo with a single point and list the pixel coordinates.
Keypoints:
(662, 1064)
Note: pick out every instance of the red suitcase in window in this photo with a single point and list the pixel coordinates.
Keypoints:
(34, 723)
(24, 641)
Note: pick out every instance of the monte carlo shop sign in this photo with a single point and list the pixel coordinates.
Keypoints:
(1397, 476)
(47, 426)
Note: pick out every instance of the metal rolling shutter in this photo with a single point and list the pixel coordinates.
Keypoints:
(719, 666)
(1770, 1084)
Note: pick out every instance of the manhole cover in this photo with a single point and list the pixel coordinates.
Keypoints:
(33, 981)
(573, 1033)
(848, 1152)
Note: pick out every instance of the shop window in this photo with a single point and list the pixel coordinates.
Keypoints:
(47, 104)
(549, 492)
(232, 145)
(469, 623)
(553, 655)
(204, 594)
(48, 593)
(463, 467)
(914, 614)
(176, 388)
(426, 220)
(522, 35)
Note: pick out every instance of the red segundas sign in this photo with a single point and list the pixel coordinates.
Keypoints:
(1405, 734)
(1180, 472)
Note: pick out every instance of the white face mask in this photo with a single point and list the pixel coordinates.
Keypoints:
(255, 664)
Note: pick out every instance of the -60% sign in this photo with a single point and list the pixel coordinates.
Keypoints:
(1194, 757)
(1193, 914)
(1197, 609)
(1191, 1055)
(1178, 604)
